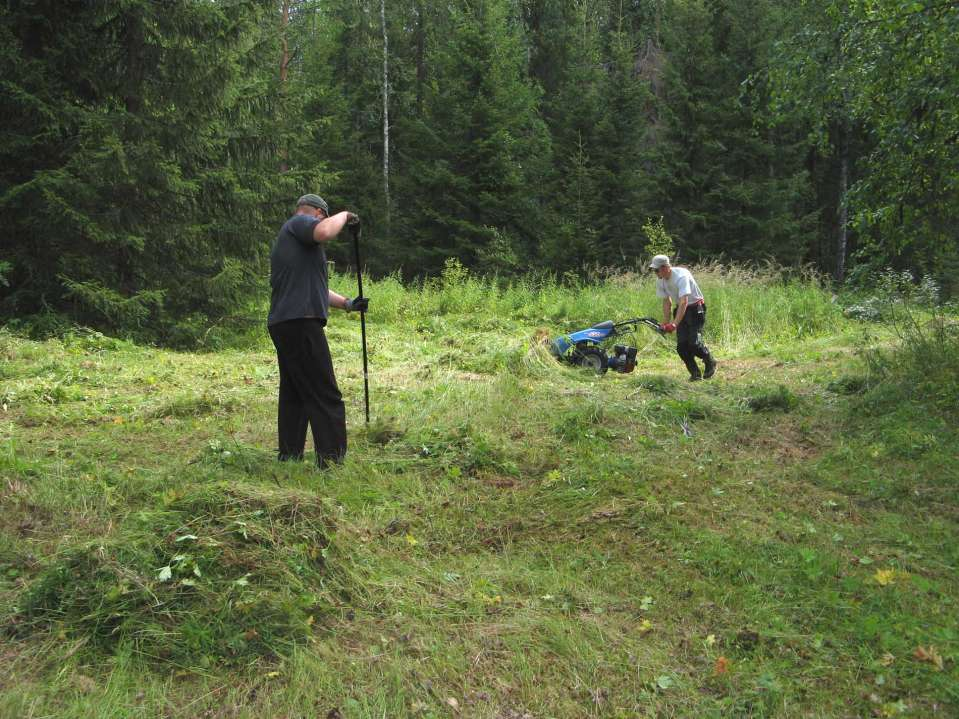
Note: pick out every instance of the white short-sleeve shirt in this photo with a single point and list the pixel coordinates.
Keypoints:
(679, 284)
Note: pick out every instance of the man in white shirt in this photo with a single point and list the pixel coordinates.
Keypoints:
(684, 312)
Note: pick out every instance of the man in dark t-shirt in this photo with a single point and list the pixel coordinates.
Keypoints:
(299, 304)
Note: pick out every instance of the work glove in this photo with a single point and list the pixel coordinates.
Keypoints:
(358, 304)
(668, 327)
(352, 219)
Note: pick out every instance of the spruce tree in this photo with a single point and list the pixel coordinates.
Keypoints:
(476, 193)
(569, 63)
(139, 181)
(726, 184)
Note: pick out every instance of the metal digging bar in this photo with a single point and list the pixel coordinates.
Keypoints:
(355, 229)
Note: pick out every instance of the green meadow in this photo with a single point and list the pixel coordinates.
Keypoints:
(509, 538)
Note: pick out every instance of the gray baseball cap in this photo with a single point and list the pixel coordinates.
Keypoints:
(658, 261)
(314, 201)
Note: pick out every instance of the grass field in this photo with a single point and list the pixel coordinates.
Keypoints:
(509, 539)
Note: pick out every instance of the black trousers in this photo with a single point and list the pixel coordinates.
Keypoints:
(689, 338)
(308, 392)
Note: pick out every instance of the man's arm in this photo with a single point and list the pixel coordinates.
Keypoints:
(337, 300)
(667, 309)
(357, 304)
(681, 310)
(331, 226)
(684, 287)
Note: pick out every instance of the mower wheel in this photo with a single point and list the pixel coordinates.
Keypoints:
(591, 358)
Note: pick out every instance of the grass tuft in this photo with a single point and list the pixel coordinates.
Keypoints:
(849, 384)
(777, 399)
(216, 573)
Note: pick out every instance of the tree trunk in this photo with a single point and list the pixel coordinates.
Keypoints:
(842, 228)
(285, 48)
(133, 45)
(284, 64)
(386, 116)
(420, 56)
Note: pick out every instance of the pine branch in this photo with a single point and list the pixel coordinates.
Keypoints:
(902, 16)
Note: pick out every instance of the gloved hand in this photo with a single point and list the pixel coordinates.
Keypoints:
(358, 304)
(352, 219)
(668, 327)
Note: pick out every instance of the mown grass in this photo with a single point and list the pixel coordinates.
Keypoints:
(510, 538)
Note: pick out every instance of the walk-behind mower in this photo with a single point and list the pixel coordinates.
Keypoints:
(587, 348)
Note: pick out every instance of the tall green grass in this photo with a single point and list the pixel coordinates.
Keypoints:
(924, 360)
(748, 308)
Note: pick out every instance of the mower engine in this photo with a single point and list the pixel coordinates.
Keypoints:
(623, 359)
(586, 348)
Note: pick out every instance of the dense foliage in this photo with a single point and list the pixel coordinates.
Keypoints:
(150, 152)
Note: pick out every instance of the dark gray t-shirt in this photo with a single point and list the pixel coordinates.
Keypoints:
(298, 273)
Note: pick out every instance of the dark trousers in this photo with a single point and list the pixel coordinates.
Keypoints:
(689, 338)
(308, 392)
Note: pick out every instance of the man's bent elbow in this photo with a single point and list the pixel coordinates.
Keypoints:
(323, 234)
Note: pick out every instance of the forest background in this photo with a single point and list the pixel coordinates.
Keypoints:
(509, 537)
(151, 150)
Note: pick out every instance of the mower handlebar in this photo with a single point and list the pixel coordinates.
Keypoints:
(648, 321)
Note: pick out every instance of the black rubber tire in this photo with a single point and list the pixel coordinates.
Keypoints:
(591, 358)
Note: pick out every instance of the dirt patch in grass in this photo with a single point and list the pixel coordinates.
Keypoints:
(789, 446)
(499, 481)
(783, 439)
(736, 369)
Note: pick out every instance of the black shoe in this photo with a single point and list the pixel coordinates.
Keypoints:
(710, 368)
(695, 377)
